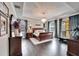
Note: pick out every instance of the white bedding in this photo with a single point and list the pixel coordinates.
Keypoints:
(37, 32)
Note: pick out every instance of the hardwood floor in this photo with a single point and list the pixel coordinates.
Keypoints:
(53, 48)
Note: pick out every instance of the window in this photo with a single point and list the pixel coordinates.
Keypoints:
(52, 27)
(65, 32)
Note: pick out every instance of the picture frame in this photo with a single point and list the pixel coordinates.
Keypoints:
(4, 19)
(3, 25)
(4, 9)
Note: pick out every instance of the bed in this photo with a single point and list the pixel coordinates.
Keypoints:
(40, 34)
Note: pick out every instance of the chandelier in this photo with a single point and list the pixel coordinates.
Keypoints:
(43, 20)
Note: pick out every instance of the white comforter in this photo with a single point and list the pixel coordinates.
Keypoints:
(37, 32)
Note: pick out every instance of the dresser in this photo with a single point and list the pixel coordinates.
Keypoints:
(15, 48)
(73, 48)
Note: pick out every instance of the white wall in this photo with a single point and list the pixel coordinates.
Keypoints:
(33, 23)
(4, 46)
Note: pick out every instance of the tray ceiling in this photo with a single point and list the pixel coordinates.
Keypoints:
(38, 10)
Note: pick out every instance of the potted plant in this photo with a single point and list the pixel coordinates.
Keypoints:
(76, 33)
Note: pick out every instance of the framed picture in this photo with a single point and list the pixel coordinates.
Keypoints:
(37, 25)
(3, 25)
(3, 19)
(4, 9)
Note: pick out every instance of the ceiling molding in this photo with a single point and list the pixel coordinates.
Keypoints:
(23, 8)
(75, 13)
(67, 5)
(61, 12)
(37, 5)
(30, 18)
(13, 9)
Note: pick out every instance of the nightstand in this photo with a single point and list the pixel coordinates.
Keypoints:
(29, 35)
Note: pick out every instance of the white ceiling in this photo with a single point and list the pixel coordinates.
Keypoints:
(38, 10)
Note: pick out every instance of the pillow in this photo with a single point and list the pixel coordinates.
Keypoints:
(36, 33)
(40, 31)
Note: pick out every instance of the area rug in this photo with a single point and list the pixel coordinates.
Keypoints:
(36, 42)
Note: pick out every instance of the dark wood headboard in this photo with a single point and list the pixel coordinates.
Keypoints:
(34, 29)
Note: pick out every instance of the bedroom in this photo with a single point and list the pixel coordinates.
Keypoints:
(39, 28)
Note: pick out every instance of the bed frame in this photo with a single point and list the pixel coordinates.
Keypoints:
(44, 35)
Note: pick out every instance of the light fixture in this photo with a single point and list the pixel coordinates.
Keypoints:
(43, 20)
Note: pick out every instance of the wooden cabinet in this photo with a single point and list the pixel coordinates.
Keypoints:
(73, 47)
(15, 46)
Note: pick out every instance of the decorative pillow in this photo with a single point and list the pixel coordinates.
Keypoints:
(36, 33)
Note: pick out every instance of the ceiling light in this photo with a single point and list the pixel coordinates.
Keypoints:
(43, 20)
